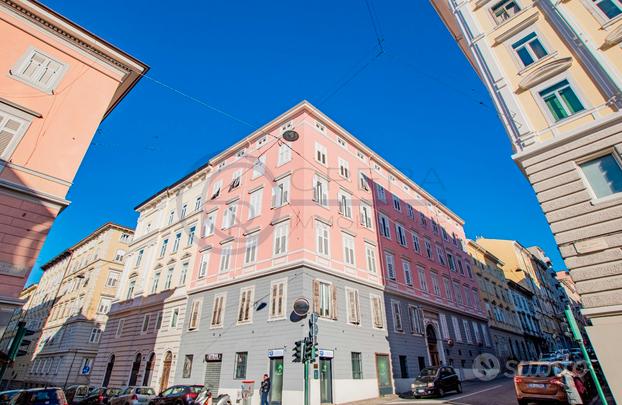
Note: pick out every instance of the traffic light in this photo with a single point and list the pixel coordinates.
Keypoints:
(308, 349)
(313, 326)
(298, 351)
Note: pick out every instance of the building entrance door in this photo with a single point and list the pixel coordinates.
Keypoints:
(109, 368)
(383, 370)
(166, 371)
(276, 379)
(432, 346)
(326, 380)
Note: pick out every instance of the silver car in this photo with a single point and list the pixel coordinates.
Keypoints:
(134, 396)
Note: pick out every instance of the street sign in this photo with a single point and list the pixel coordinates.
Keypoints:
(276, 353)
(327, 354)
(213, 357)
(86, 370)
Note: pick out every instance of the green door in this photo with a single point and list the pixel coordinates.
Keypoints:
(385, 387)
(276, 378)
(326, 380)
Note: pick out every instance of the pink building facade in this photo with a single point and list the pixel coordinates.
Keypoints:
(316, 214)
(59, 81)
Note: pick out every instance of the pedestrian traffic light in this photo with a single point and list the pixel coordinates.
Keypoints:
(298, 351)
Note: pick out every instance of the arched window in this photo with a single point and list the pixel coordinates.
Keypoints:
(108, 371)
(149, 370)
(135, 369)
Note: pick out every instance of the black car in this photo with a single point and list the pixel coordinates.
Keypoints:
(100, 396)
(40, 396)
(6, 396)
(177, 395)
(436, 381)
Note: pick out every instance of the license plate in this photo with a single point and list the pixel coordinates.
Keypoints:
(420, 390)
(536, 385)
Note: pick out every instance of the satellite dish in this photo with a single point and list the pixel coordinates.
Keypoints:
(301, 306)
(290, 136)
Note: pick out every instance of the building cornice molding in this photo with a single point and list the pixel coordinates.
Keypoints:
(545, 72)
(515, 29)
(36, 195)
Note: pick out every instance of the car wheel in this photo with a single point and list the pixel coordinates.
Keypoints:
(459, 388)
(441, 393)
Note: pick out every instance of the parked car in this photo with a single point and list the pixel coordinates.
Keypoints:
(177, 395)
(134, 396)
(100, 396)
(76, 393)
(40, 396)
(436, 381)
(6, 396)
(539, 381)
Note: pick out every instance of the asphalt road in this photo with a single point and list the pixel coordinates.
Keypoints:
(499, 391)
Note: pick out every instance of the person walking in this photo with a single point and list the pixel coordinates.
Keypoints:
(572, 393)
(265, 390)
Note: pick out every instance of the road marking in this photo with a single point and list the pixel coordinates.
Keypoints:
(477, 392)
(444, 401)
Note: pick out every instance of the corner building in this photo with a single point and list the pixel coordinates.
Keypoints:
(322, 217)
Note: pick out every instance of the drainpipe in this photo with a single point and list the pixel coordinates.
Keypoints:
(601, 78)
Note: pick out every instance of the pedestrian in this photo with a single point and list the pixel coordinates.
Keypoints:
(265, 390)
(572, 393)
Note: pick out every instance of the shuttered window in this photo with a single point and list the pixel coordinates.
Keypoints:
(416, 320)
(195, 314)
(320, 190)
(218, 311)
(376, 311)
(397, 316)
(245, 306)
(354, 313)
(325, 299)
(277, 299)
(40, 70)
(280, 238)
(11, 130)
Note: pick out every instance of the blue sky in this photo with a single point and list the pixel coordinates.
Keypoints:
(419, 104)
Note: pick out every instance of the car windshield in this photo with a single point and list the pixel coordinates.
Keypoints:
(196, 388)
(113, 391)
(539, 370)
(145, 391)
(428, 372)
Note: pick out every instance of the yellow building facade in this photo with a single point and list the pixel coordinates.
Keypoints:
(553, 69)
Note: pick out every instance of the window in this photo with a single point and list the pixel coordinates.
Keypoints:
(456, 325)
(254, 208)
(204, 264)
(198, 203)
(397, 316)
(341, 142)
(104, 305)
(467, 331)
(450, 261)
(363, 181)
(119, 255)
(345, 204)
(397, 204)
(390, 262)
(370, 254)
(240, 364)
(478, 338)
(176, 242)
(285, 154)
(39, 70)
(158, 324)
(410, 211)
(325, 299)
(380, 193)
(423, 219)
(529, 49)
(163, 247)
(130, 289)
(145, 325)
(458, 292)
(259, 167)
(113, 279)
(210, 224)
(460, 268)
(344, 168)
(447, 285)
(174, 317)
(440, 255)
(348, 250)
(250, 251)
(191, 232)
(467, 295)
(96, 334)
(235, 180)
(407, 274)
(603, 175)
(561, 100)
(435, 285)
(416, 320)
(376, 311)
(403, 366)
(366, 216)
(154, 282)
(183, 274)
(280, 238)
(195, 315)
(246, 305)
(168, 280)
(277, 299)
(262, 141)
(444, 327)
(171, 216)
(428, 248)
(423, 283)
(187, 371)
(320, 190)
(280, 193)
(504, 10)
(401, 234)
(225, 257)
(385, 230)
(320, 153)
(357, 365)
(139, 258)
(416, 245)
(610, 8)
(184, 209)
(228, 219)
(87, 366)
(218, 310)
(216, 189)
(354, 310)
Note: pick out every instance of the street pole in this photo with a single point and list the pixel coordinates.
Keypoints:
(75, 352)
(306, 366)
(579, 339)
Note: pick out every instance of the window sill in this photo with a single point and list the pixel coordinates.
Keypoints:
(527, 69)
(603, 200)
(611, 22)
